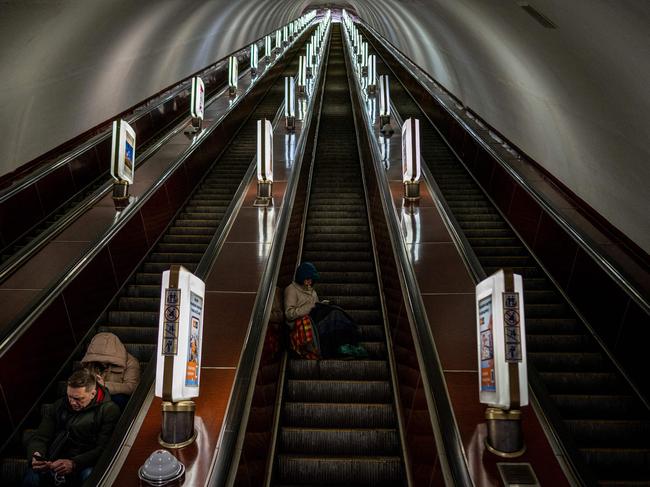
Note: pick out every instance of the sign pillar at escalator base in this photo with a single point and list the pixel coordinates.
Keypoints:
(501, 350)
(504, 436)
(177, 424)
(178, 368)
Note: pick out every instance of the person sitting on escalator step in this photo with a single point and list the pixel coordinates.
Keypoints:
(73, 434)
(336, 334)
(116, 369)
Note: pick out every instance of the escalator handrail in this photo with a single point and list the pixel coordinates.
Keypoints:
(451, 451)
(583, 240)
(225, 463)
(22, 323)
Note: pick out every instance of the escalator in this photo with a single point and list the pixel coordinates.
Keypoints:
(605, 420)
(158, 129)
(338, 422)
(133, 315)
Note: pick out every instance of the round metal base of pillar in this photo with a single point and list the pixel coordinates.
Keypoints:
(120, 195)
(182, 444)
(504, 436)
(412, 191)
(177, 424)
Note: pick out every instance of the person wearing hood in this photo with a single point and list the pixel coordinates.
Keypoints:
(73, 433)
(116, 369)
(336, 332)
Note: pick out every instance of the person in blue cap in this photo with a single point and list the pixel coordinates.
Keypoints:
(337, 334)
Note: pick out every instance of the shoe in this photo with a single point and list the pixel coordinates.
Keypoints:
(346, 350)
(360, 352)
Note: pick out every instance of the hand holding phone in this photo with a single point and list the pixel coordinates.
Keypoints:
(39, 462)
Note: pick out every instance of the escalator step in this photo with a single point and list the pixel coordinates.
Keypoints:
(575, 406)
(560, 343)
(338, 369)
(612, 433)
(338, 391)
(341, 415)
(322, 441)
(565, 362)
(376, 471)
(581, 382)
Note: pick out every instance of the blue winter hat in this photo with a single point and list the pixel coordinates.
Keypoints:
(306, 270)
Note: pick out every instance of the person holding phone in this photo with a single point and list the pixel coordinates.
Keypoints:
(72, 434)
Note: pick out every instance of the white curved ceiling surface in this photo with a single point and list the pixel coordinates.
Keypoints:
(574, 98)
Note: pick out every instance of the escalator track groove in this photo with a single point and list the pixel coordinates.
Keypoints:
(133, 315)
(608, 422)
(338, 424)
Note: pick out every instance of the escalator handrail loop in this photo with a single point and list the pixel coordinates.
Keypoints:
(451, 451)
(583, 240)
(21, 324)
(224, 463)
(109, 462)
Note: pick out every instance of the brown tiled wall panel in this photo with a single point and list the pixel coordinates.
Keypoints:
(618, 324)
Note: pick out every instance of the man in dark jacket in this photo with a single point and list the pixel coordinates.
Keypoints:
(72, 434)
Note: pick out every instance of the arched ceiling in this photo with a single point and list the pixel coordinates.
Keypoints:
(574, 98)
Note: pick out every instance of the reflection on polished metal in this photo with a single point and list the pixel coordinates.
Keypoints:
(120, 195)
(161, 468)
(504, 436)
(177, 424)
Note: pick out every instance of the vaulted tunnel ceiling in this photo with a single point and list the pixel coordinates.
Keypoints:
(574, 98)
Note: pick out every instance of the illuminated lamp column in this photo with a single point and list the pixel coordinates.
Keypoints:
(411, 159)
(302, 75)
(278, 40)
(372, 74)
(309, 59)
(290, 103)
(233, 75)
(122, 162)
(364, 59)
(267, 47)
(255, 61)
(264, 163)
(197, 105)
(285, 36)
